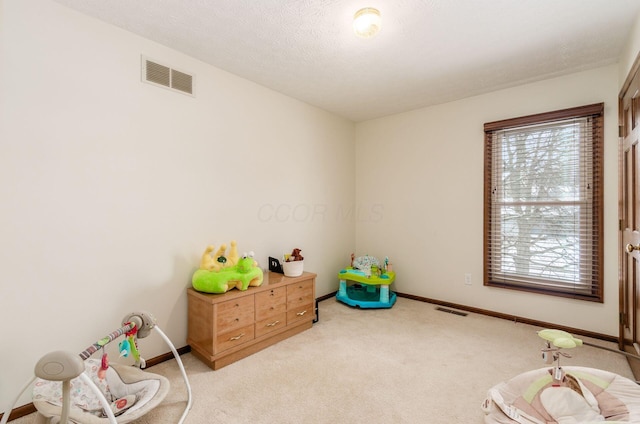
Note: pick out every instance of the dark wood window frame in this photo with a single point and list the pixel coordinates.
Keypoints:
(590, 284)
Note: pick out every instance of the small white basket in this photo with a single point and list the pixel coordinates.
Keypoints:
(293, 268)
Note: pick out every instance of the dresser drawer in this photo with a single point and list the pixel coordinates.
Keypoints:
(300, 313)
(270, 303)
(299, 294)
(234, 314)
(271, 324)
(233, 338)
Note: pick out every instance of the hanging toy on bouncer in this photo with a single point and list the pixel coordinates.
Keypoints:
(132, 347)
(104, 365)
(125, 348)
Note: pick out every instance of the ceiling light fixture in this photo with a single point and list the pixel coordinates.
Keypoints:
(366, 22)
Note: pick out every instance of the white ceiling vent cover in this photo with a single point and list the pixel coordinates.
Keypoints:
(164, 76)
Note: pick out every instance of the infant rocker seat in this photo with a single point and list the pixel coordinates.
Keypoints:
(563, 395)
(72, 388)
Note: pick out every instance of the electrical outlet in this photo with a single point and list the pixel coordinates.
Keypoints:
(467, 279)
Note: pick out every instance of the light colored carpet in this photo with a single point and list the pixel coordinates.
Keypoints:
(407, 364)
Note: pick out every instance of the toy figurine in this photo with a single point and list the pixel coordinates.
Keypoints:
(294, 256)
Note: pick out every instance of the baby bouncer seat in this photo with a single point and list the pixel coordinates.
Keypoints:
(72, 388)
(563, 395)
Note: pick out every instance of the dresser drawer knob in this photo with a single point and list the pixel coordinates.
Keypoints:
(236, 337)
(273, 324)
(301, 313)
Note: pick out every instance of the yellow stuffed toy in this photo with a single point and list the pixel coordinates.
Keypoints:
(219, 260)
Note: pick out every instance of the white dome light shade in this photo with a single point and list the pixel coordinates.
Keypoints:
(366, 22)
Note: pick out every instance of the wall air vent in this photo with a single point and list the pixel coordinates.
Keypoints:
(164, 76)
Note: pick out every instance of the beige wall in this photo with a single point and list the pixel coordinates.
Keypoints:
(111, 188)
(423, 170)
(629, 52)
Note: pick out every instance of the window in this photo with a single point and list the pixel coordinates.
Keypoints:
(543, 203)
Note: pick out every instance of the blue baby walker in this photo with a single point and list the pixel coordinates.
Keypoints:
(370, 283)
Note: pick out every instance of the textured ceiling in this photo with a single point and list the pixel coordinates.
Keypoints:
(428, 51)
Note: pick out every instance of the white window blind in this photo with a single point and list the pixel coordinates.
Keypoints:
(543, 203)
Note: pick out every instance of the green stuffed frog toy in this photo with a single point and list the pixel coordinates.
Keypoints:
(221, 273)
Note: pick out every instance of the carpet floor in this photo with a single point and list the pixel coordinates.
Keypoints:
(408, 364)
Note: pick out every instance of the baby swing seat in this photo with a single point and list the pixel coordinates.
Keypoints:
(530, 398)
(563, 395)
(72, 388)
(134, 393)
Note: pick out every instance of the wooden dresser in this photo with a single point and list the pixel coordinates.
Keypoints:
(224, 328)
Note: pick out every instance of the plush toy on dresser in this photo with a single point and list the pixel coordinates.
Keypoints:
(220, 273)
